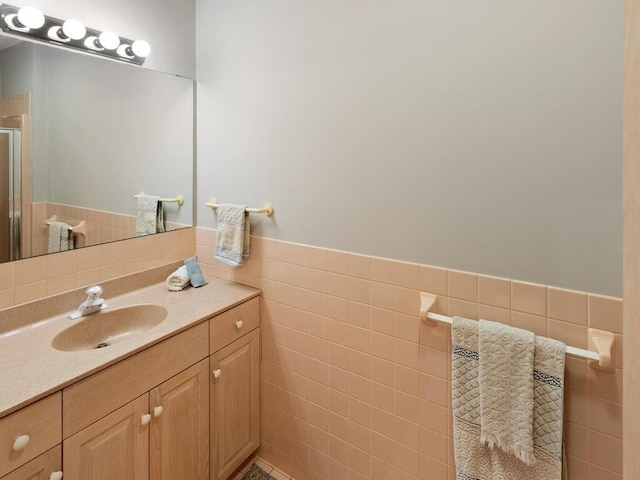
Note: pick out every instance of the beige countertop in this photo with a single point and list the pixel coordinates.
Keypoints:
(30, 368)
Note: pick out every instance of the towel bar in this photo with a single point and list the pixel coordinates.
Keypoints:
(179, 199)
(601, 340)
(267, 209)
(81, 228)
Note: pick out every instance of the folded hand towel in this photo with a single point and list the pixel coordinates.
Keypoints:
(233, 234)
(195, 274)
(475, 460)
(506, 389)
(149, 215)
(178, 279)
(60, 237)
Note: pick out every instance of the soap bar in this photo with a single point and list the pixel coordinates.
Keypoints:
(195, 274)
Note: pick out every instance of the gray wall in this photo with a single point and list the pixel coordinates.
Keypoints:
(168, 26)
(478, 135)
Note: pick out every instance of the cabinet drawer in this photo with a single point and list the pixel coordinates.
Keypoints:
(103, 392)
(40, 467)
(224, 328)
(41, 421)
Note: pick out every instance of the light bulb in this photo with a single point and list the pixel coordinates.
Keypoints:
(13, 23)
(74, 29)
(55, 33)
(141, 48)
(91, 42)
(30, 17)
(109, 40)
(124, 51)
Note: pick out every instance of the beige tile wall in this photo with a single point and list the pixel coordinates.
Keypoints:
(34, 278)
(355, 387)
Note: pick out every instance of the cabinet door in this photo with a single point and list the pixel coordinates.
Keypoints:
(235, 397)
(40, 468)
(179, 433)
(115, 447)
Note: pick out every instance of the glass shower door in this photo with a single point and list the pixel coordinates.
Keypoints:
(10, 204)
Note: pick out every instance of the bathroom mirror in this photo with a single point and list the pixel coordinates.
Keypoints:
(93, 133)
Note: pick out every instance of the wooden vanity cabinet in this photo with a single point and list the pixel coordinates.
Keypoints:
(235, 390)
(94, 397)
(162, 434)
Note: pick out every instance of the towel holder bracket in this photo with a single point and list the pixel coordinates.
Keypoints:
(604, 343)
(427, 302)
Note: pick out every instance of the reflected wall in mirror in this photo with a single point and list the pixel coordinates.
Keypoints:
(95, 133)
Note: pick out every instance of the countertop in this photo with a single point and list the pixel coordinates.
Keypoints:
(32, 369)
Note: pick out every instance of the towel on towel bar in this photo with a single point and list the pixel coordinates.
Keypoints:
(60, 237)
(233, 241)
(149, 215)
(477, 461)
(506, 389)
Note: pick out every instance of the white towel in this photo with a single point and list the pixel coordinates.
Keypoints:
(475, 460)
(149, 215)
(506, 389)
(60, 237)
(233, 243)
(178, 279)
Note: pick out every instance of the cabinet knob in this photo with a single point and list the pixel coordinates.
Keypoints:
(21, 442)
(55, 476)
(146, 418)
(157, 411)
(217, 372)
(239, 324)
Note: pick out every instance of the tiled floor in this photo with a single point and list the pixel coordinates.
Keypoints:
(276, 474)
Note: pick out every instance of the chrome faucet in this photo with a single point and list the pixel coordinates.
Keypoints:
(94, 303)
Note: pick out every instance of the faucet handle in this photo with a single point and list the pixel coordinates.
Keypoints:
(94, 291)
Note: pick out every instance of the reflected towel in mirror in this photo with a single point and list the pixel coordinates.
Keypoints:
(149, 215)
(60, 237)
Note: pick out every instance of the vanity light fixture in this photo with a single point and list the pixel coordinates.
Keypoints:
(30, 22)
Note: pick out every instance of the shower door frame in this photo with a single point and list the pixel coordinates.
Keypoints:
(12, 194)
(22, 122)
